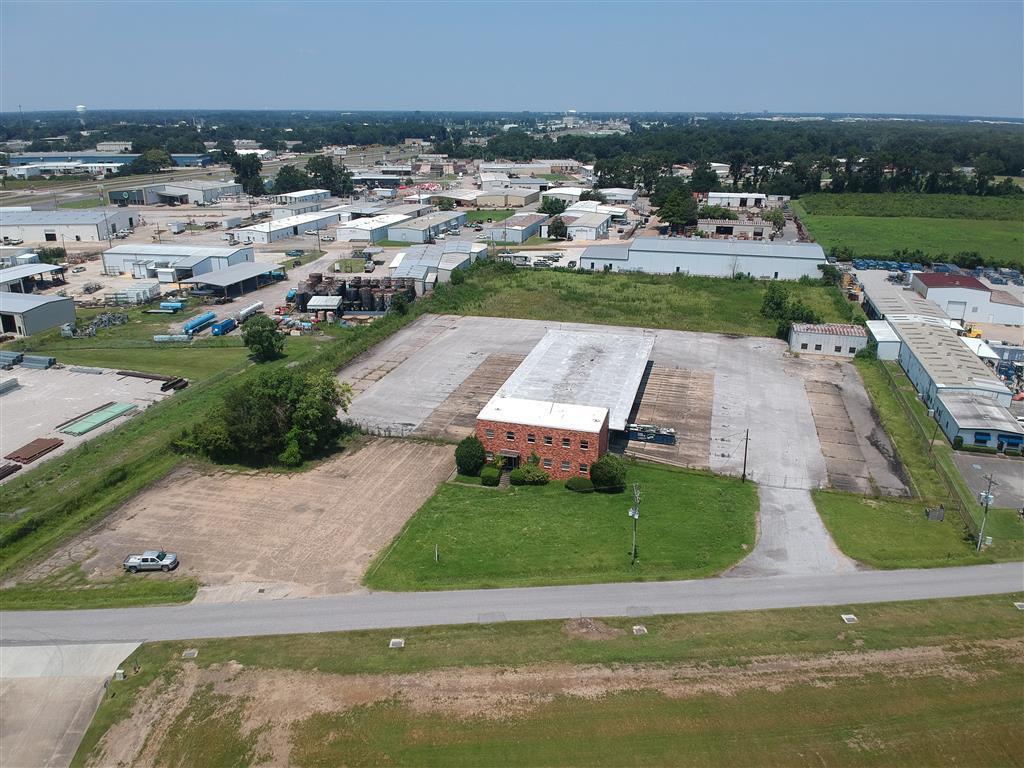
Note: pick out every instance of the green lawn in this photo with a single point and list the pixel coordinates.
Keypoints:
(677, 302)
(887, 533)
(87, 202)
(938, 225)
(351, 265)
(962, 709)
(691, 525)
(70, 588)
(483, 215)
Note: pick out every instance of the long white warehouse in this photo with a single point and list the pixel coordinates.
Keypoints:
(87, 226)
(171, 263)
(281, 229)
(714, 258)
(371, 229)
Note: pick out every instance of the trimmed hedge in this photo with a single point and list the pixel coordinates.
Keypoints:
(580, 485)
(490, 476)
(978, 449)
(528, 475)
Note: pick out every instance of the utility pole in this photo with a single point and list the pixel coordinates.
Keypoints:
(746, 444)
(986, 499)
(634, 512)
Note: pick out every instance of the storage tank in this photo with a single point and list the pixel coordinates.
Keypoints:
(199, 322)
(366, 298)
(249, 311)
(224, 327)
(174, 306)
(162, 338)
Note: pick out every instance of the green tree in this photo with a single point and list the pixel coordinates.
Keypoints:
(326, 175)
(399, 304)
(260, 336)
(776, 217)
(291, 179)
(314, 423)
(679, 210)
(470, 456)
(557, 229)
(703, 179)
(608, 474)
(717, 212)
(593, 194)
(775, 300)
(247, 170)
(446, 204)
(552, 206)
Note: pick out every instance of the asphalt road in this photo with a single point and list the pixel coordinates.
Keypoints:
(387, 610)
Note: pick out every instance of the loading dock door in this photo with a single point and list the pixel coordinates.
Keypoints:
(956, 309)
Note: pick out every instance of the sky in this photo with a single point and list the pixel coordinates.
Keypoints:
(947, 58)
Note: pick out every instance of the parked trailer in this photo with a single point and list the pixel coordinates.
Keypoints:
(199, 322)
(249, 311)
(224, 327)
(163, 338)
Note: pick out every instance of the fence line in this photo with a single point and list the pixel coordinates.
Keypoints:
(952, 488)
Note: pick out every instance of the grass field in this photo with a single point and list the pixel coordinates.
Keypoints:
(351, 265)
(916, 683)
(676, 302)
(692, 525)
(887, 533)
(937, 225)
(87, 202)
(483, 215)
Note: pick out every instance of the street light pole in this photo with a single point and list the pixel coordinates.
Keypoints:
(634, 512)
(986, 499)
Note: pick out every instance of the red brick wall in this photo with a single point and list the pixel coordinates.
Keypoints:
(598, 445)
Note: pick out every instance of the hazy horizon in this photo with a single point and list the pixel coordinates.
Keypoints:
(927, 59)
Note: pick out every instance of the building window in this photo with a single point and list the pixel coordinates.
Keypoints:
(817, 347)
(584, 445)
(565, 442)
(803, 346)
(839, 349)
(547, 463)
(547, 439)
(852, 350)
(566, 466)
(510, 436)
(583, 469)
(489, 433)
(531, 438)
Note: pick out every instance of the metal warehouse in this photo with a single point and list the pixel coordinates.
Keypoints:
(426, 228)
(515, 229)
(172, 263)
(967, 299)
(588, 226)
(303, 196)
(176, 192)
(568, 194)
(714, 258)
(833, 339)
(237, 279)
(886, 338)
(295, 209)
(89, 225)
(25, 314)
(937, 361)
(430, 264)
(371, 230)
(619, 195)
(27, 158)
(977, 421)
(281, 229)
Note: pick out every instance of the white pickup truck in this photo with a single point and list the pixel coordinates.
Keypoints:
(155, 560)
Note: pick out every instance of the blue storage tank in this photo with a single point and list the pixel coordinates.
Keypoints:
(174, 306)
(224, 327)
(199, 322)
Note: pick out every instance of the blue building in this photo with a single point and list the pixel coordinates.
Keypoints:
(30, 158)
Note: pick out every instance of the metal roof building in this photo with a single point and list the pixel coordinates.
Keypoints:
(13, 279)
(603, 370)
(371, 229)
(25, 314)
(237, 279)
(290, 226)
(425, 228)
(714, 258)
(977, 420)
(85, 225)
(171, 262)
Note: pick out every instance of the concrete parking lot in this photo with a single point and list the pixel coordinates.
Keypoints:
(45, 399)
(1008, 474)
(251, 536)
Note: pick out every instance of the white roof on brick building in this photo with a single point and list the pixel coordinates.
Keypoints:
(541, 413)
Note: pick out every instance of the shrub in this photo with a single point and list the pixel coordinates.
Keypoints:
(958, 442)
(978, 449)
(470, 456)
(528, 475)
(608, 474)
(490, 476)
(1012, 452)
(580, 484)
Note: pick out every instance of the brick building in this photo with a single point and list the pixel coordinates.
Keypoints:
(567, 438)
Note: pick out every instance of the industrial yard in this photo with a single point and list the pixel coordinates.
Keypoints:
(251, 536)
(45, 403)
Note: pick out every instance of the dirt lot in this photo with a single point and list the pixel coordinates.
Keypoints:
(270, 702)
(303, 534)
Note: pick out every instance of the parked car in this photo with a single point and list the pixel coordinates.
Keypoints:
(572, 265)
(152, 560)
(76, 270)
(310, 232)
(326, 238)
(294, 253)
(368, 267)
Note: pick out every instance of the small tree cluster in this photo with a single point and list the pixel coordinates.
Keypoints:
(552, 206)
(470, 456)
(776, 305)
(277, 416)
(261, 338)
(557, 229)
(608, 474)
(679, 210)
